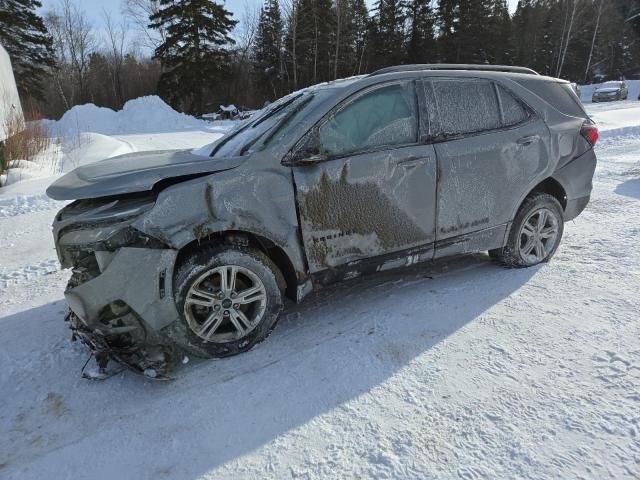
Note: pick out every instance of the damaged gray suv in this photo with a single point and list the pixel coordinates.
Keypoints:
(195, 251)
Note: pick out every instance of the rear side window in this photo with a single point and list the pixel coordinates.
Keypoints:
(559, 95)
(513, 112)
(466, 106)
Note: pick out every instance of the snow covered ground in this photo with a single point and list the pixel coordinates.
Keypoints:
(458, 370)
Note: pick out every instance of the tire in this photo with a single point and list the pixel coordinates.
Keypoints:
(206, 332)
(528, 244)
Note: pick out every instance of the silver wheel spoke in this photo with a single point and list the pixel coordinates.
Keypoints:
(548, 232)
(228, 279)
(528, 246)
(210, 325)
(527, 229)
(251, 295)
(198, 296)
(540, 252)
(542, 220)
(240, 321)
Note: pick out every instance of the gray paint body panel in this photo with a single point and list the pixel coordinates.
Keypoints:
(342, 214)
(132, 277)
(367, 205)
(134, 172)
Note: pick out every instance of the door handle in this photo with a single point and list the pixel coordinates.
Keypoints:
(412, 162)
(527, 140)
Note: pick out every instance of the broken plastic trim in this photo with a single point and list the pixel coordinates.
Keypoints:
(138, 360)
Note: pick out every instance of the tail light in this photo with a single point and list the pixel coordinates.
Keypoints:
(590, 132)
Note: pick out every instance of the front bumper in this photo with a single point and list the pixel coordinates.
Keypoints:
(120, 313)
(605, 98)
(138, 277)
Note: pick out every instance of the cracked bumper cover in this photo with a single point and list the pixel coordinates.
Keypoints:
(120, 313)
(139, 277)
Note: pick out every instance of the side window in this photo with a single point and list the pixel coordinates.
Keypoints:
(466, 106)
(384, 116)
(512, 111)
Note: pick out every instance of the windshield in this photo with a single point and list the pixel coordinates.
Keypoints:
(269, 126)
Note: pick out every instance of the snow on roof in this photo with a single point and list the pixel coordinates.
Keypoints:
(228, 108)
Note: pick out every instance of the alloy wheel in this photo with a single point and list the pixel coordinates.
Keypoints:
(225, 304)
(538, 235)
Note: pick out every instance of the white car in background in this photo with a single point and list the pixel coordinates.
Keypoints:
(610, 92)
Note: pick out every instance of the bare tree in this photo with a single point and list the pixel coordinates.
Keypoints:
(116, 41)
(338, 4)
(290, 10)
(138, 12)
(79, 42)
(593, 39)
(54, 24)
(247, 29)
(574, 9)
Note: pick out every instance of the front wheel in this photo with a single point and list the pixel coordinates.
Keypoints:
(228, 299)
(535, 233)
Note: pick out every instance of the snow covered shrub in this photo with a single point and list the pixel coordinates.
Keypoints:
(24, 140)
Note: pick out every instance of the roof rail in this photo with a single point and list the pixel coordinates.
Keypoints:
(454, 66)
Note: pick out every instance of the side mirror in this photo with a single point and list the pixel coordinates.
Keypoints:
(307, 152)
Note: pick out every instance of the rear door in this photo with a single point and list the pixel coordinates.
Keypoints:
(489, 147)
(374, 192)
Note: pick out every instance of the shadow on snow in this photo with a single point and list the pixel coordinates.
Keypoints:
(342, 342)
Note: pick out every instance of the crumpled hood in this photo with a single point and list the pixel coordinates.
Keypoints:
(607, 90)
(134, 172)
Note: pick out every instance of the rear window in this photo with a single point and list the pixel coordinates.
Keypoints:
(466, 106)
(560, 95)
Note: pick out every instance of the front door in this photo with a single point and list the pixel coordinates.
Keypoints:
(373, 192)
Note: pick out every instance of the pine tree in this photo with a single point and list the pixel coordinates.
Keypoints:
(268, 50)
(499, 49)
(421, 47)
(359, 30)
(447, 21)
(350, 39)
(390, 19)
(24, 36)
(523, 36)
(473, 35)
(193, 54)
(314, 40)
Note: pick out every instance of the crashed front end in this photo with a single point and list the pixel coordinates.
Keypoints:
(119, 294)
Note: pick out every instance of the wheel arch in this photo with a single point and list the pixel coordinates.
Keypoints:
(551, 186)
(288, 281)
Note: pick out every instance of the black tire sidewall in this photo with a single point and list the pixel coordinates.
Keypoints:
(511, 252)
(193, 266)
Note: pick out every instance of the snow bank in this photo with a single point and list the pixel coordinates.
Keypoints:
(586, 91)
(616, 118)
(141, 115)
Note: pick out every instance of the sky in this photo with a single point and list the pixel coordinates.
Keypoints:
(95, 8)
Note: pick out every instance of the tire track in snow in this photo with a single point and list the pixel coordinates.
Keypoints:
(24, 204)
(28, 272)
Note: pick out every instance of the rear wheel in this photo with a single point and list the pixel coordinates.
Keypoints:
(229, 301)
(535, 233)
